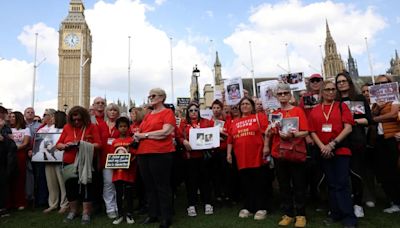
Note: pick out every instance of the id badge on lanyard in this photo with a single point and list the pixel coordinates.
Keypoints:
(326, 128)
(110, 141)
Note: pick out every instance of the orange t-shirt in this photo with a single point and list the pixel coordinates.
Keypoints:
(155, 122)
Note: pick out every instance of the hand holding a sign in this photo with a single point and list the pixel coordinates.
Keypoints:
(187, 145)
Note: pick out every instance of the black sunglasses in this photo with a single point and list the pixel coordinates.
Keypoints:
(314, 80)
(281, 94)
(379, 83)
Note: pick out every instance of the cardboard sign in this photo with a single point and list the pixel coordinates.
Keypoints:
(182, 101)
(268, 99)
(233, 91)
(295, 80)
(384, 92)
(44, 148)
(118, 161)
(204, 138)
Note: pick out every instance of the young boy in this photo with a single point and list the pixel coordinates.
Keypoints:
(123, 179)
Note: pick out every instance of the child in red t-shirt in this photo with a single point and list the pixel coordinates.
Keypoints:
(123, 179)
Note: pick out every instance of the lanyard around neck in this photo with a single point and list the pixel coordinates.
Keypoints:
(329, 113)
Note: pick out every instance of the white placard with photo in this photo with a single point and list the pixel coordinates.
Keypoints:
(218, 95)
(204, 138)
(295, 80)
(268, 99)
(233, 91)
(290, 124)
(384, 92)
(206, 114)
(44, 148)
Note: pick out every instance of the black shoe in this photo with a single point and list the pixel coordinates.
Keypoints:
(149, 220)
(165, 224)
(329, 221)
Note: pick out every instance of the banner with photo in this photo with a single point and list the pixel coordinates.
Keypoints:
(44, 148)
(295, 80)
(233, 90)
(356, 107)
(268, 99)
(204, 138)
(384, 92)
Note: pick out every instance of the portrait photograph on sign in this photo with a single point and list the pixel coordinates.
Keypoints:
(274, 120)
(233, 91)
(384, 92)
(204, 138)
(44, 148)
(268, 99)
(356, 107)
(295, 80)
(290, 124)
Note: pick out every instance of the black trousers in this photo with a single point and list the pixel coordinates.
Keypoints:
(387, 171)
(292, 186)
(76, 191)
(156, 173)
(220, 177)
(357, 173)
(124, 193)
(198, 177)
(254, 187)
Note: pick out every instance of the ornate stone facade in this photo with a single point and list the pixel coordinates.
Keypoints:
(75, 43)
(333, 63)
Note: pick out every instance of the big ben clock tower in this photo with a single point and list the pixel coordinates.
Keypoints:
(75, 42)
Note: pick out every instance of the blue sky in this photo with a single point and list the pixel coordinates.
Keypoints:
(192, 24)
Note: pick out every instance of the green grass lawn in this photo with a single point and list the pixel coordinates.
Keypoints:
(223, 217)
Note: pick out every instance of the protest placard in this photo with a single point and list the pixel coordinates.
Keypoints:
(295, 80)
(268, 99)
(204, 138)
(233, 90)
(44, 148)
(384, 92)
(118, 161)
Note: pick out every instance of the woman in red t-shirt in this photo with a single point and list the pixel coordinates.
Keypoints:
(198, 162)
(79, 128)
(246, 138)
(155, 157)
(330, 123)
(291, 174)
(112, 113)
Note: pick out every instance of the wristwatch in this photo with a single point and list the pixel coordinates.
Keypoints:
(146, 135)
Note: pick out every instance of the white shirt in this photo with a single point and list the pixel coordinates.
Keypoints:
(18, 135)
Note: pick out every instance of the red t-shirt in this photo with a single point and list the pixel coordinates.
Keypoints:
(104, 135)
(155, 122)
(223, 138)
(71, 134)
(316, 119)
(184, 130)
(245, 135)
(128, 175)
(112, 134)
(134, 128)
(303, 126)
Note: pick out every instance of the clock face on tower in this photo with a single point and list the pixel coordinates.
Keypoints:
(71, 40)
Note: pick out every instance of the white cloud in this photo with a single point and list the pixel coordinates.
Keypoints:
(47, 42)
(150, 52)
(160, 2)
(303, 28)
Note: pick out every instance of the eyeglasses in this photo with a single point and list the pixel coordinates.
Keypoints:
(193, 110)
(379, 83)
(330, 90)
(315, 80)
(281, 94)
(152, 96)
(341, 82)
(234, 108)
(100, 102)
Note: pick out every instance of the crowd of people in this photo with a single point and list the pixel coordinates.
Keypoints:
(328, 148)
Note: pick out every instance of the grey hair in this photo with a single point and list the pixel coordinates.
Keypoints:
(159, 92)
(282, 86)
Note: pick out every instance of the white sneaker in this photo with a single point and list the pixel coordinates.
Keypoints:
(191, 211)
(118, 220)
(112, 215)
(393, 209)
(129, 219)
(358, 211)
(260, 215)
(244, 213)
(208, 209)
(370, 204)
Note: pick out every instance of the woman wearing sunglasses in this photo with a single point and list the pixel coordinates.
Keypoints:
(79, 129)
(246, 137)
(198, 162)
(330, 123)
(155, 157)
(291, 173)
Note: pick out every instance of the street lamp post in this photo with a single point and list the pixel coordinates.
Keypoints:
(196, 74)
(65, 107)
